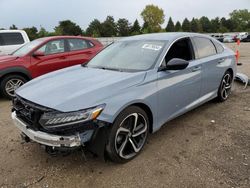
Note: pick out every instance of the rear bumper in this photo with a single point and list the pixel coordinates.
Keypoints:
(45, 138)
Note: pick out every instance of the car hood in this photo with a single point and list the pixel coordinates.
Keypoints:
(5, 58)
(77, 87)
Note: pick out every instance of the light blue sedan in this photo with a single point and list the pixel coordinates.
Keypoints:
(128, 90)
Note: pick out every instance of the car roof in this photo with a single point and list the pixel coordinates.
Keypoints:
(65, 37)
(168, 36)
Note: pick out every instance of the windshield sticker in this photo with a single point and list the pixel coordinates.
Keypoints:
(152, 47)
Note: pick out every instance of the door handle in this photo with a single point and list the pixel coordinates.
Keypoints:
(196, 69)
(221, 60)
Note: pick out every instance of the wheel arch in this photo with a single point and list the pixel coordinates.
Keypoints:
(15, 71)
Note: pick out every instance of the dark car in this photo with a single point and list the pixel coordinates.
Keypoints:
(247, 39)
(42, 56)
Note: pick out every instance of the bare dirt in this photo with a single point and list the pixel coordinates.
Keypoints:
(190, 151)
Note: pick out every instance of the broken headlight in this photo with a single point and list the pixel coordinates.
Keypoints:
(58, 119)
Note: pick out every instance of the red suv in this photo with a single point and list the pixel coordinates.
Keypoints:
(42, 56)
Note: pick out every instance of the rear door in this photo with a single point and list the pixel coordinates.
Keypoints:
(80, 51)
(55, 57)
(213, 62)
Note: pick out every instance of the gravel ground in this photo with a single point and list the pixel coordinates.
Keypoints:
(190, 151)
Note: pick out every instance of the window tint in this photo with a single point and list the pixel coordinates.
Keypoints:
(204, 47)
(78, 44)
(219, 47)
(11, 39)
(53, 47)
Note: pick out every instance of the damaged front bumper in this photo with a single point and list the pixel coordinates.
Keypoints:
(46, 138)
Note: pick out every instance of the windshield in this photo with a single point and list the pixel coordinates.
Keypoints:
(27, 47)
(128, 55)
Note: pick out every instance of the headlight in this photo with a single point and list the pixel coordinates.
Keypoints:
(58, 119)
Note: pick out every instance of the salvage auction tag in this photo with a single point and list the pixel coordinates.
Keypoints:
(152, 47)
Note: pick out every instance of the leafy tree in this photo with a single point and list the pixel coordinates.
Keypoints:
(178, 26)
(170, 27)
(195, 25)
(13, 26)
(31, 32)
(205, 24)
(215, 25)
(68, 27)
(94, 28)
(154, 17)
(186, 25)
(136, 28)
(109, 27)
(145, 28)
(242, 18)
(123, 27)
(43, 33)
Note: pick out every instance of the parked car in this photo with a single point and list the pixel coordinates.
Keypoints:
(247, 39)
(228, 39)
(11, 40)
(128, 90)
(241, 36)
(42, 56)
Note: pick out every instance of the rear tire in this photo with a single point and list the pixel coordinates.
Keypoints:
(225, 87)
(10, 83)
(128, 135)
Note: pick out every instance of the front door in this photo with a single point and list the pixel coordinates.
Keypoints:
(179, 90)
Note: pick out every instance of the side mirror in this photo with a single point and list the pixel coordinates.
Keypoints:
(38, 54)
(175, 64)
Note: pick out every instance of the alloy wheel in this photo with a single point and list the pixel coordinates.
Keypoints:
(131, 135)
(226, 86)
(11, 85)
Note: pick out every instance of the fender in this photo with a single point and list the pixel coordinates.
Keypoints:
(17, 69)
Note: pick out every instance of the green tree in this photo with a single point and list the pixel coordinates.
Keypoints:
(136, 28)
(186, 25)
(178, 26)
(215, 25)
(205, 24)
(123, 27)
(109, 27)
(67, 27)
(13, 26)
(170, 27)
(242, 18)
(94, 28)
(31, 32)
(43, 33)
(194, 25)
(154, 17)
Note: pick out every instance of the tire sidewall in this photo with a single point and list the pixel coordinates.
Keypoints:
(110, 148)
(4, 82)
(220, 98)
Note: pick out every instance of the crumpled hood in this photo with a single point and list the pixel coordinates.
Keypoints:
(7, 58)
(77, 87)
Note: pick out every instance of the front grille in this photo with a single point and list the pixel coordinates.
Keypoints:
(28, 112)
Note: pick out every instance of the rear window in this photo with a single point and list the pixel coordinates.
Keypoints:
(219, 47)
(11, 39)
(79, 44)
(204, 46)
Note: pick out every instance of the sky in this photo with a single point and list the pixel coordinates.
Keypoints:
(47, 13)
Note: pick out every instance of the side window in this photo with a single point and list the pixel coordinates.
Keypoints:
(181, 49)
(204, 46)
(219, 47)
(11, 39)
(53, 47)
(78, 44)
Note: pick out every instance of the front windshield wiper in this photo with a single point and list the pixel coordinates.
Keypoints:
(108, 68)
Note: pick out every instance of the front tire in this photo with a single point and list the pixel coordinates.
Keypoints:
(128, 135)
(10, 83)
(225, 87)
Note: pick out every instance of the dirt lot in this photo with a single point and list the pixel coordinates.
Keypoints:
(190, 151)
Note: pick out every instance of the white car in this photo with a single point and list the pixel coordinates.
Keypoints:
(228, 39)
(11, 40)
